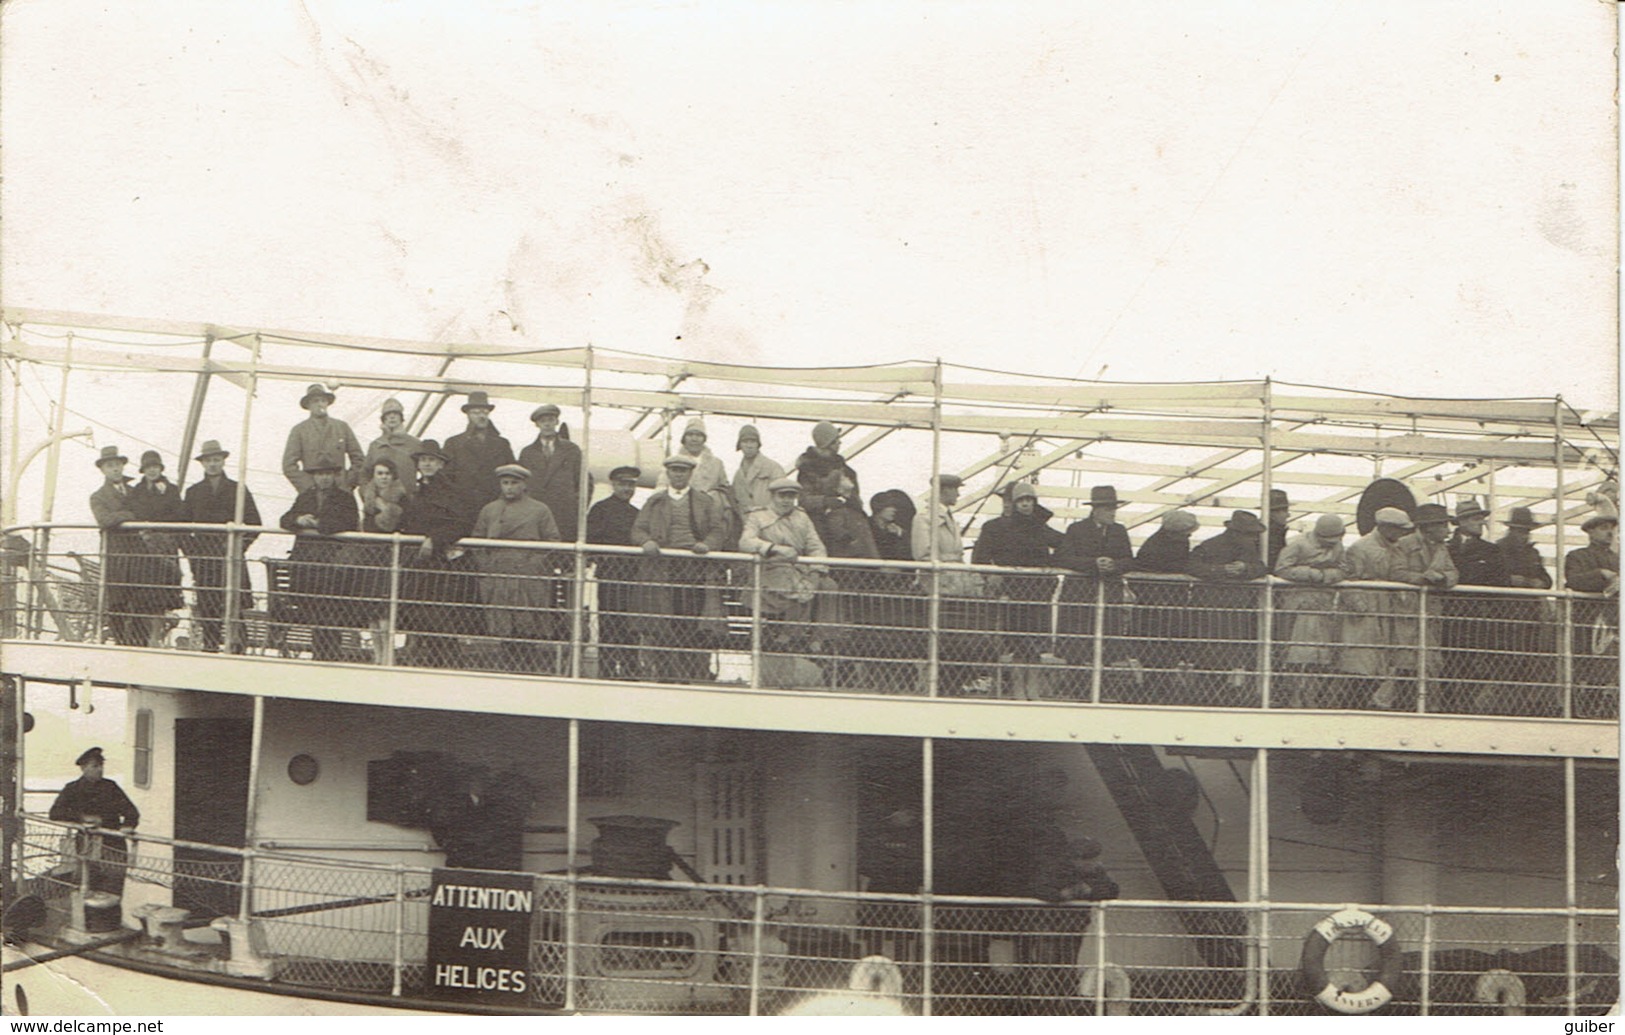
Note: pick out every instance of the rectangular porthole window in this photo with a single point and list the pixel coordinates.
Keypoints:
(143, 747)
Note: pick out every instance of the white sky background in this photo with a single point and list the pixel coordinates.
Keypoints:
(1403, 197)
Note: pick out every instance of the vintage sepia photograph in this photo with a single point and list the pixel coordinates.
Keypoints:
(676, 509)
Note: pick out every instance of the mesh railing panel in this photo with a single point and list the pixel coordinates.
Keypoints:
(1000, 633)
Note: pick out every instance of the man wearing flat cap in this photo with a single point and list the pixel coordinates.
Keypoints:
(111, 506)
(783, 535)
(1098, 552)
(516, 585)
(709, 477)
(679, 600)
(554, 463)
(1368, 654)
(101, 804)
(320, 435)
(316, 585)
(609, 522)
(1594, 568)
(1478, 635)
(1224, 611)
(476, 452)
(212, 500)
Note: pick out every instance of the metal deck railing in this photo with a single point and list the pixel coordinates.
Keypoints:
(863, 626)
(601, 944)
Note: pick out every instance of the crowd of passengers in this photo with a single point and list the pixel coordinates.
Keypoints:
(660, 616)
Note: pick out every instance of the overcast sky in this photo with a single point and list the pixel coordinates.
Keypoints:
(1394, 196)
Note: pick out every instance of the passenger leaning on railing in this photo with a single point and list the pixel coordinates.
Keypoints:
(847, 618)
(437, 585)
(1595, 569)
(1162, 618)
(1530, 623)
(1424, 560)
(781, 534)
(1368, 619)
(1224, 611)
(365, 567)
(1021, 539)
(1478, 632)
(1308, 620)
(102, 804)
(1098, 550)
(318, 584)
(516, 593)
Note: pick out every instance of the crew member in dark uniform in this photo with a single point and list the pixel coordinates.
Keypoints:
(99, 802)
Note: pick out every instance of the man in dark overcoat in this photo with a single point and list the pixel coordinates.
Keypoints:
(156, 498)
(475, 454)
(1478, 630)
(1098, 552)
(438, 591)
(1533, 637)
(121, 556)
(1224, 611)
(317, 584)
(1162, 613)
(609, 522)
(1595, 569)
(213, 501)
(554, 463)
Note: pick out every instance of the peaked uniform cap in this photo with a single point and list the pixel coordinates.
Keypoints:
(91, 755)
(625, 473)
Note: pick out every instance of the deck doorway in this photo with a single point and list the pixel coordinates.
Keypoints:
(211, 807)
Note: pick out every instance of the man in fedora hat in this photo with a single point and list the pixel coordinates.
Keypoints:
(1224, 612)
(554, 463)
(110, 505)
(1098, 552)
(156, 498)
(679, 599)
(320, 436)
(1368, 655)
(1477, 636)
(1594, 568)
(1532, 658)
(394, 445)
(610, 522)
(101, 804)
(212, 500)
(477, 451)
(439, 582)
(1423, 560)
(516, 585)
(316, 586)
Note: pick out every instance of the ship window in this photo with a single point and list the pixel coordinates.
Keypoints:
(143, 747)
(603, 760)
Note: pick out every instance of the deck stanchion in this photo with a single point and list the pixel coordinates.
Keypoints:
(578, 587)
(933, 501)
(756, 622)
(400, 929)
(1100, 958)
(1100, 641)
(928, 819)
(386, 652)
(572, 820)
(758, 914)
(1422, 633)
(1425, 964)
(99, 620)
(236, 566)
(1266, 644)
(1565, 651)
(39, 558)
(1262, 825)
(256, 746)
(1571, 888)
(1266, 628)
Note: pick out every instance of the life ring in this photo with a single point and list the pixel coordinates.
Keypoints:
(1501, 988)
(878, 975)
(1118, 988)
(1312, 965)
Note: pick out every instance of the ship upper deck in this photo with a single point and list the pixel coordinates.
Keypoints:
(924, 646)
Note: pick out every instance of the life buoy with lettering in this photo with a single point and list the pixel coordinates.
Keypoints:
(1115, 994)
(1312, 965)
(1501, 988)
